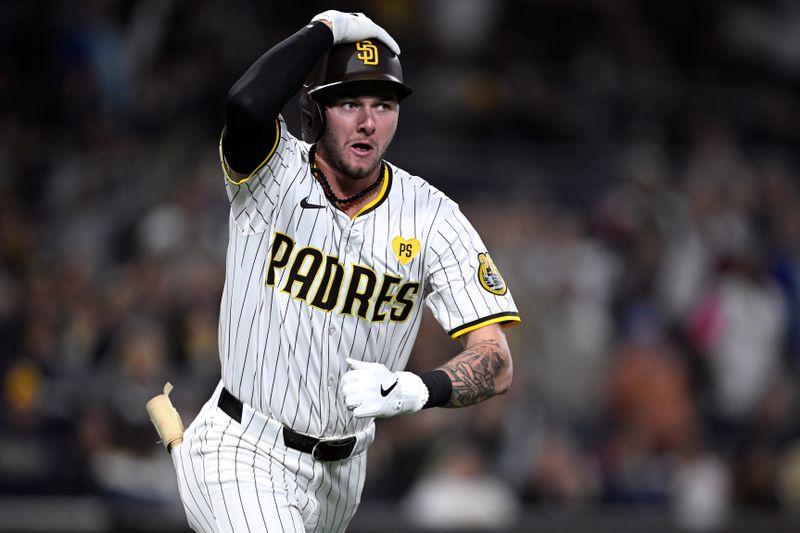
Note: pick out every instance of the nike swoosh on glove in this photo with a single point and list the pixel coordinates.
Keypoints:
(371, 389)
(352, 27)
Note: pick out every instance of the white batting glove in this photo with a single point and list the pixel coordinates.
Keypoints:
(371, 389)
(352, 27)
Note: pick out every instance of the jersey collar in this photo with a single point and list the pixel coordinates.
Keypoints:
(382, 194)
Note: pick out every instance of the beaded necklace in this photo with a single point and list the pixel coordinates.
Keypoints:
(327, 188)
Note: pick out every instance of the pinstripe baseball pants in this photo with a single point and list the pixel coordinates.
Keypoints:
(236, 477)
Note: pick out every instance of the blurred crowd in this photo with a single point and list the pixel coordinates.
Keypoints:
(631, 165)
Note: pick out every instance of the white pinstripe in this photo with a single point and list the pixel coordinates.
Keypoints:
(240, 477)
(285, 356)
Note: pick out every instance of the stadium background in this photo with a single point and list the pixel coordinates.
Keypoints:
(632, 164)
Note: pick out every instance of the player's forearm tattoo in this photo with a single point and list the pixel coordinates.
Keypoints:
(473, 373)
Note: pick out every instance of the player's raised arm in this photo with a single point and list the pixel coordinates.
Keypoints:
(254, 101)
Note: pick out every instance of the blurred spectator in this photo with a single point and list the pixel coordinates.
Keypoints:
(128, 465)
(649, 386)
(31, 445)
(645, 215)
(459, 493)
(700, 489)
(652, 414)
(739, 326)
(573, 279)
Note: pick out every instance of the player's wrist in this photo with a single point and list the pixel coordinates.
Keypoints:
(324, 22)
(414, 393)
(440, 388)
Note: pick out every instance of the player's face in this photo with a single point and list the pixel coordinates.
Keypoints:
(358, 131)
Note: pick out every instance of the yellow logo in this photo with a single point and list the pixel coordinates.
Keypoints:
(367, 52)
(489, 276)
(405, 250)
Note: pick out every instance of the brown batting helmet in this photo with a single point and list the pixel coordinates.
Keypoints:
(362, 61)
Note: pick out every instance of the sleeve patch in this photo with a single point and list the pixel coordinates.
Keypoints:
(489, 276)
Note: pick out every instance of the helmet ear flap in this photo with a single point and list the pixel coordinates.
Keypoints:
(312, 118)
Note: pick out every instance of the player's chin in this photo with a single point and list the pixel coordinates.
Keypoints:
(363, 167)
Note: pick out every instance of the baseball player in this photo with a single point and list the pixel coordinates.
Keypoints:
(332, 252)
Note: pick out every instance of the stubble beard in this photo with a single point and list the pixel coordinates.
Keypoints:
(336, 159)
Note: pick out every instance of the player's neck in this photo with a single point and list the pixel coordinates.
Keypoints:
(344, 186)
(348, 194)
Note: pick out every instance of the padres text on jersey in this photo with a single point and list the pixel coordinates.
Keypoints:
(314, 286)
(357, 291)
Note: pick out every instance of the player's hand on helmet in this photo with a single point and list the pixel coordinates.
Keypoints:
(352, 27)
(371, 389)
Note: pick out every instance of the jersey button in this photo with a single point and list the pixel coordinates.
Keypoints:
(331, 330)
(348, 248)
(331, 381)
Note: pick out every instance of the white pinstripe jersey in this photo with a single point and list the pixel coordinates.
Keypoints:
(307, 287)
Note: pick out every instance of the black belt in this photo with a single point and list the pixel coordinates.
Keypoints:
(321, 449)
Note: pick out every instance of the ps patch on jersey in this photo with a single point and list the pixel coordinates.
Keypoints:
(489, 276)
(405, 249)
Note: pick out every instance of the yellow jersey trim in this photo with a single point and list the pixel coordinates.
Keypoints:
(381, 194)
(506, 320)
(260, 166)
